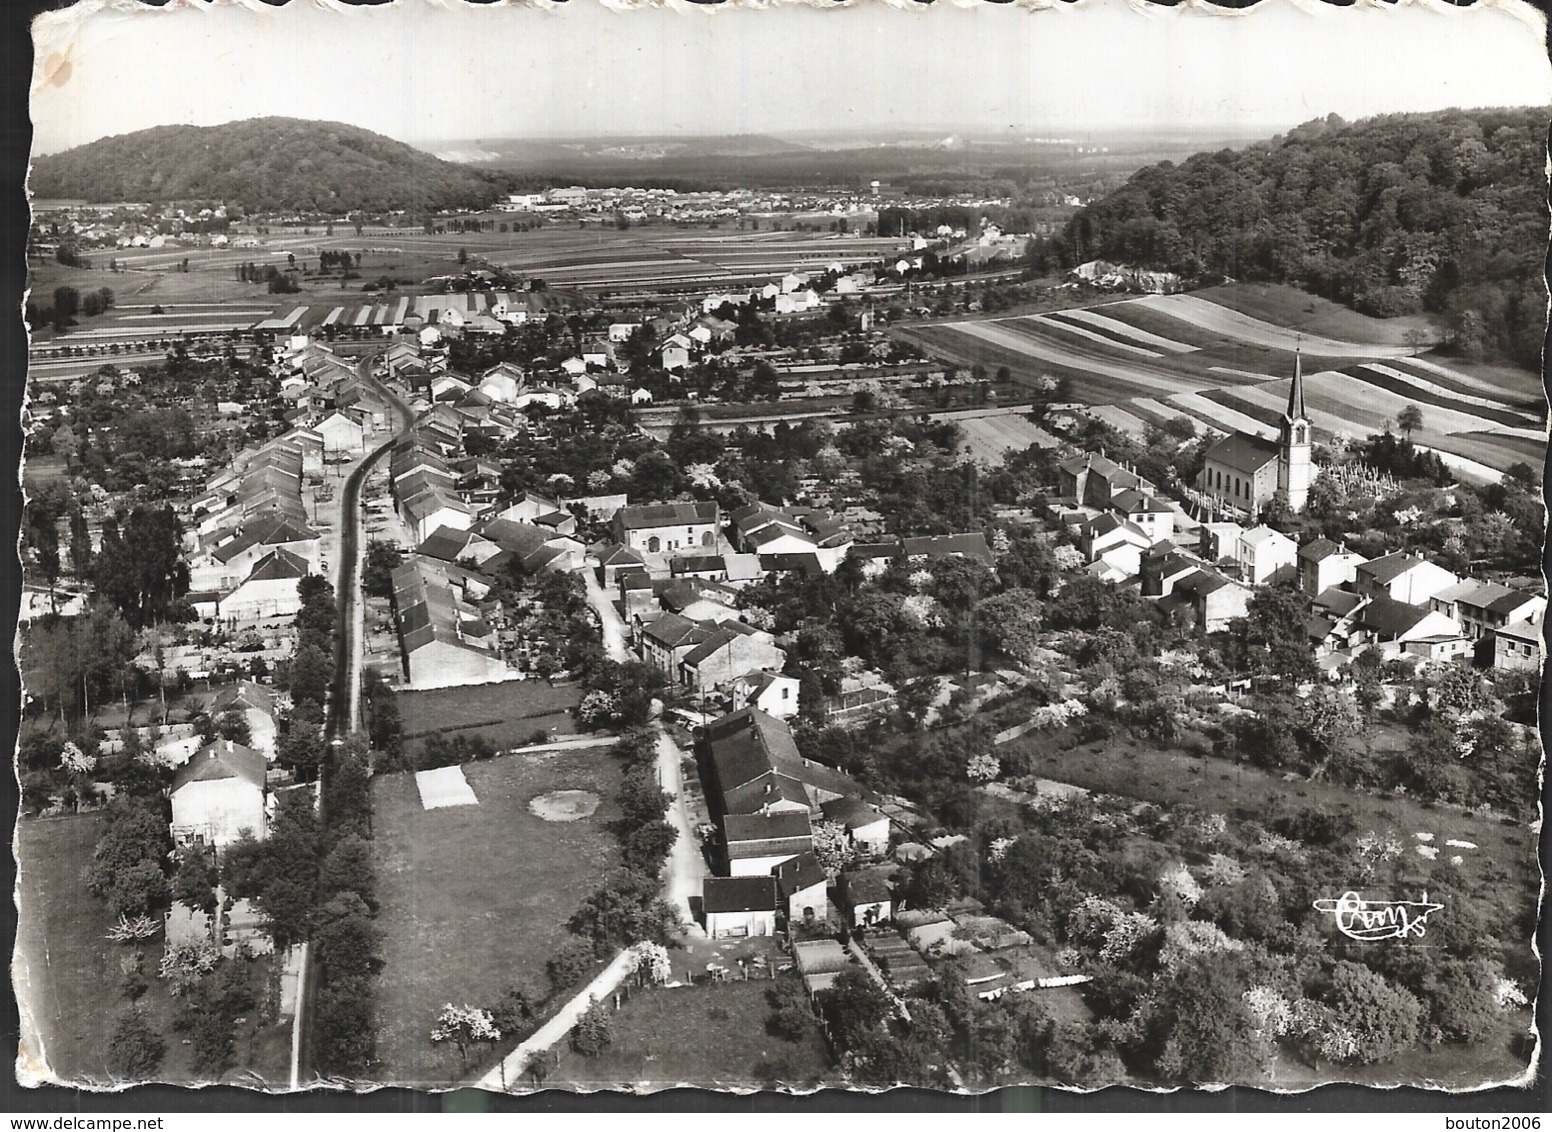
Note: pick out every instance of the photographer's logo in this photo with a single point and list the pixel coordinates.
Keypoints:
(1370, 920)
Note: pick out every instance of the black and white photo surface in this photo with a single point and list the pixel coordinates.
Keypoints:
(601, 547)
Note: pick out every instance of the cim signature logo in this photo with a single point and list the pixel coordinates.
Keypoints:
(1370, 920)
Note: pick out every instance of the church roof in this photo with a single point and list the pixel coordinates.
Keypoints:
(1243, 452)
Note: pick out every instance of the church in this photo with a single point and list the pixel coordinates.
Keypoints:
(1244, 471)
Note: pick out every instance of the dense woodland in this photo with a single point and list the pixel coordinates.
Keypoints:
(1444, 213)
(263, 165)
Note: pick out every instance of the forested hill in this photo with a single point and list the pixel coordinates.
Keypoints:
(262, 165)
(1442, 212)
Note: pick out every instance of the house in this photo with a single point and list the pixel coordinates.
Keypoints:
(1164, 565)
(865, 897)
(802, 886)
(1484, 607)
(735, 907)
(256, 703)
(771, 692)
(613, 560)
(443, 642)
(1265, 555)
(1402, 577)
(219, 794)
(1245, 471)
(707, 567)
(1417, 629)
(1146, 513)
(866, 825)
(1116, 541)
(757, 768)
(662, 528)
(754, 844)
(1518, 644)
(1323, 564)
(665, 640)
(732, 651)
(761, 529)
(1215, 599)
(269, 591)
(1093, 480)
(531, 507)
(502, 382)
(673, 356)
(971, 545)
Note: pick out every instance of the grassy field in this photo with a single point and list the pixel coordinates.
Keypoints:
(68, 974)
(477, 897)
(506, 714)
(708, 1035)
(1289, 306)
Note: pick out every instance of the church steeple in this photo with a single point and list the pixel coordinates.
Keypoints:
(1294, 470)
(1295, 411)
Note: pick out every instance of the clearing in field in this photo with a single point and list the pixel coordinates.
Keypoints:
(475, 898)
(443, 788)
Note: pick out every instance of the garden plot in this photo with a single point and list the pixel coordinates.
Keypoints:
(1125, 330)
(1221, 320)
(1118, 418)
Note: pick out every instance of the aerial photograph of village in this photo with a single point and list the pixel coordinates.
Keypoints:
(813, 550)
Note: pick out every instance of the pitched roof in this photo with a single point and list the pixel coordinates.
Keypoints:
(1244, 452)
(1321, 549)
(220, 760)
(802, 872)
(1295, 410)
(279, 565)
(866, 887)
(853, 813)
(738, 894)
(970, 545)
(647, 516)
(1389, 567)
(244, 694)
(1135, 502)
(672, 631)
(740, 828)
(1391, 618)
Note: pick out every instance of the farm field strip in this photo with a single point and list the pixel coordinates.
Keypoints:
(1219, 319)
(1125, 330)
(1388, 378)
(992, 438)
(1342, 388)
(1464, 466)
(1221, 416)
(1130, 375)
(1091, 335)
(1230, 398)
(1243, 373)
(1118, 418)
(1465, 380)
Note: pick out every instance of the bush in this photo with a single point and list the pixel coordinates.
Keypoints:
(135, 1050)
(569, 964)
(593, 1032)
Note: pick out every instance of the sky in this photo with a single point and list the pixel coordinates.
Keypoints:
(438, 70)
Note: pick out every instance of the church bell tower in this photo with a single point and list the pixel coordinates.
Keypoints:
(1294, 468)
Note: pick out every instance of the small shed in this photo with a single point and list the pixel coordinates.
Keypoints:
(819, 961)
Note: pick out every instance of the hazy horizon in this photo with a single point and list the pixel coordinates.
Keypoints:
(427, 73)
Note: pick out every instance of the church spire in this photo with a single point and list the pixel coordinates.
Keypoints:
(1296, 390)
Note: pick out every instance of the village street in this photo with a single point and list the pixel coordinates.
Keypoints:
(686, 867)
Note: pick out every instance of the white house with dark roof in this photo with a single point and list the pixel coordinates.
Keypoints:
(803, 887)
(1323, 565)
(269, 591)
(1265, 555)
(754, 844)
(1402, 577)
(735, 907)
(663, 528)
(219, 794)
(769, 691)
(443, 642)
(1519, 644)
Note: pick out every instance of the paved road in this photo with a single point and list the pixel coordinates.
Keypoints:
(344, 701)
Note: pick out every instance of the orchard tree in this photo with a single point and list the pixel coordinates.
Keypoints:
(465, 1026)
